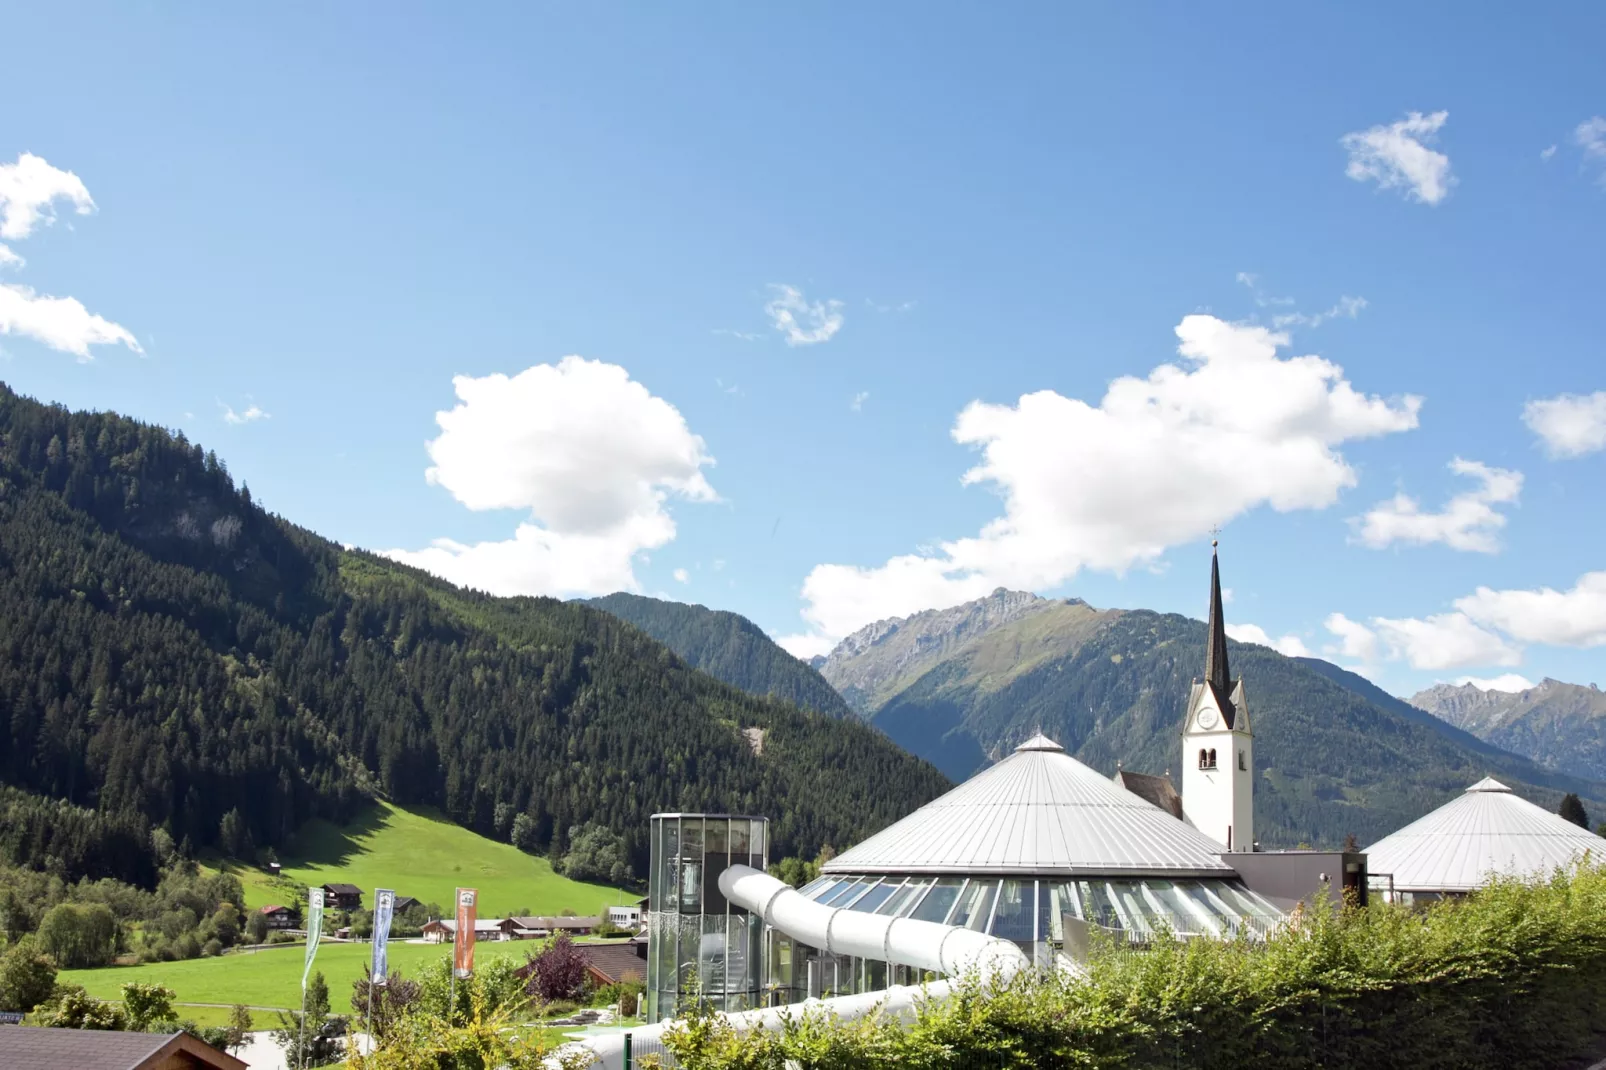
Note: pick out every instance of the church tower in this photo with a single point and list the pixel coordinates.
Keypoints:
(1218, 749)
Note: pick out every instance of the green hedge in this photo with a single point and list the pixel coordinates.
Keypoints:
(1514, 976)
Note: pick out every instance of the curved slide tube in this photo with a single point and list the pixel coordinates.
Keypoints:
(924, 945)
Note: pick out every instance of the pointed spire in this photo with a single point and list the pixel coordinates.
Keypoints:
(1216, 671)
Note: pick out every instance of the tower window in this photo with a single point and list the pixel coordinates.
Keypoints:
(1241, 762)
(1207, 758)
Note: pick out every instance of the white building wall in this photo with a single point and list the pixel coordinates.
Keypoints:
(1218, 802)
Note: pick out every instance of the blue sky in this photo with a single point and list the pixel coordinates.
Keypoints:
(819, 263)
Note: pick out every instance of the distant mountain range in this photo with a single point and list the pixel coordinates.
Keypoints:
(1336, 755)
(1561, 726)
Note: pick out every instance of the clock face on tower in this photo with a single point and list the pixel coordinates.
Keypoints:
(1207, 718)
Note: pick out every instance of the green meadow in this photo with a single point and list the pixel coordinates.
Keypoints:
(423, 855)
(272, 977)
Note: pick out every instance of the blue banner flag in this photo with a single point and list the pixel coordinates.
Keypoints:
(384, 906)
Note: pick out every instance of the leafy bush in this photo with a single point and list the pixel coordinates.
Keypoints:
(27, 978)
(558, 971)
(1513, 976)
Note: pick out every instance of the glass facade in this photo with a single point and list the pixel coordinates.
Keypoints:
(1032, 912)
(697, 942)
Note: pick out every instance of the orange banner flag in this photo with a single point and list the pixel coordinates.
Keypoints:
(463, 948)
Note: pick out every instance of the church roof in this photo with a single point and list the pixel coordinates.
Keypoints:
(1156, 790)
(1487, 830)
(1039, 811)
(1218, 675)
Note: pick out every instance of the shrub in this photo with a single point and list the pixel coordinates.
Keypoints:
(558, 971)
(27, 977)
(1513, 976)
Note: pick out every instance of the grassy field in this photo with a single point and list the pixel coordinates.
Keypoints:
(422, 855)
(272, 977)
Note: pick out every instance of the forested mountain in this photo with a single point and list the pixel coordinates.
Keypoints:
(1112, 686)
(727, 647)
(1559, 725)
(171, 653)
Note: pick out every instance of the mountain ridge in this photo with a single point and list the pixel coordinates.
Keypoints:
(1334, 754)
(728, 647)
(1560, 725)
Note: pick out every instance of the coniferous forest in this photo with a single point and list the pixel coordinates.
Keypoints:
(171, 654)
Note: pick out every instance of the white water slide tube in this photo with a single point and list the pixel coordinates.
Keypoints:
(925, 945)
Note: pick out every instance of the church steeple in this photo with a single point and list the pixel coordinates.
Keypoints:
(1216, 671)
(1218, 747)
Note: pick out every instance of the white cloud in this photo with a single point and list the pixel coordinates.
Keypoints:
(1545, 155)
(252, 414)
(803, 323)
(1443, 641)
(29, 189)
(1158, 461)
(1347, 308)
(1397, 156)
(682, 576)
(1355, 640)
(1291, 645)
(592, 456)
(1590, 135)
(856, 403)
(744, 336)
(1570, 425)
(805, 646)
(1509, 681)
(1469, 520)
(59, 322)
(1562, 618)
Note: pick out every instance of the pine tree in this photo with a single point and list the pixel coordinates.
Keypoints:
(1572, 808)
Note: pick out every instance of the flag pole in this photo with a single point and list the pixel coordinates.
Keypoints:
(451, 998)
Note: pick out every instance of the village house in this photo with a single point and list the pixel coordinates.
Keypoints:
(279, 917)
(342, 896)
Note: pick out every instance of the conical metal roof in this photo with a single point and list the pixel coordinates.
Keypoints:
(1038, 812)
(1486, 830)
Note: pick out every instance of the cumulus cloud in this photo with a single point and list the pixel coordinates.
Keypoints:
(856, 402)
(251, 415)
(1347, 307)
(1510, 681)
(1469, 521)
(590, 454)
(1291, 645)
(1545, 155)
(1443, 641)
(802, 322)
(1396, 156)
(1569, 425)
(29, 190)
(1576, 617)
(1355, 640)
(1160, 460)
(61, 323)
(682, 576)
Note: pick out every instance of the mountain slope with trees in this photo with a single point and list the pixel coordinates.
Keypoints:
(171, 654)
(1112, 687)
(727, 647)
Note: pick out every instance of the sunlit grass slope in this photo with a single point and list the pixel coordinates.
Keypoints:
(427, 857)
